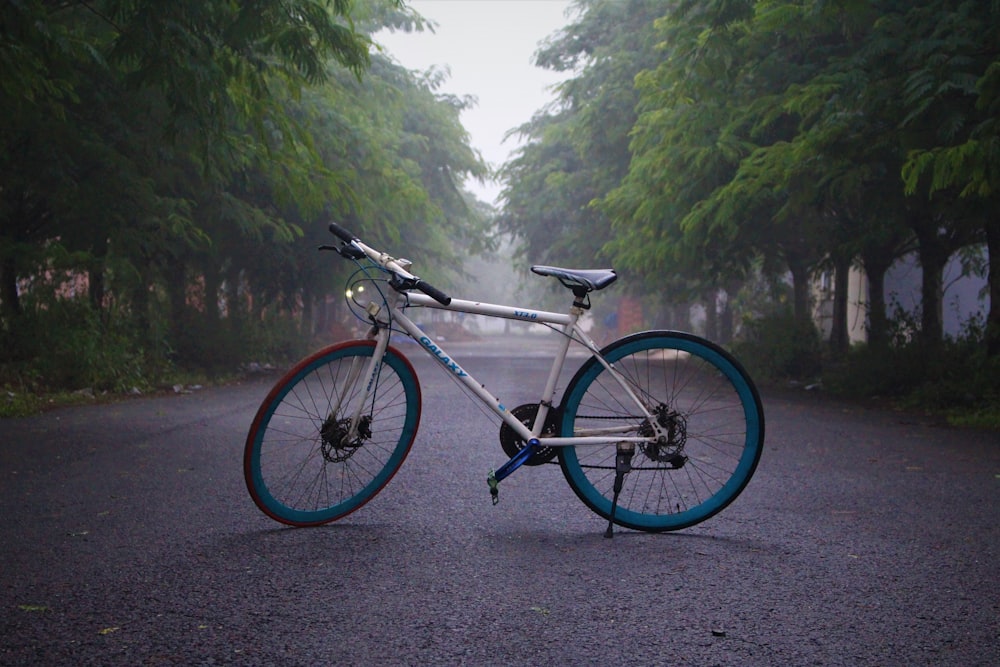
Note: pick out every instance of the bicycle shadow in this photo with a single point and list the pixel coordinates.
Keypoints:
(497, 538)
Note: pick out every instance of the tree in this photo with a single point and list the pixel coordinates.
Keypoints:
(207, 66)
(953, 87)
(200, 144)
(576, 151)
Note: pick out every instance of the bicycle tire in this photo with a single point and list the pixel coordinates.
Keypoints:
(709, 400)
(294, 471)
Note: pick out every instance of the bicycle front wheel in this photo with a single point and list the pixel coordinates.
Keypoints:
(301, 464)
(704, 400)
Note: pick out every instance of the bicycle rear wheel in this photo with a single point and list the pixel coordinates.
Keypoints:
(298, 466)
(707, 403)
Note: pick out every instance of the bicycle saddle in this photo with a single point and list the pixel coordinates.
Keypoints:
(589, 279)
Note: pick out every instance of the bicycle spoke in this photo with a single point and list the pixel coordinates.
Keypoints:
(699, 396)
(300, 466)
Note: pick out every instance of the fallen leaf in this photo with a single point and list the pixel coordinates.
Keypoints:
(108, 631)
(32, 607)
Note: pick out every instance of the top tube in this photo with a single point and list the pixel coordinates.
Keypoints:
(490, 309)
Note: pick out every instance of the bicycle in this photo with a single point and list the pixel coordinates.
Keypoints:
(656, 431)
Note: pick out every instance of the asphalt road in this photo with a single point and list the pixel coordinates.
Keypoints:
(127, 538)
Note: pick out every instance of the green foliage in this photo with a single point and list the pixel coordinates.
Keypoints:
(954, 83)
(877, 372)
(176, 161)
(64, 345)
(18, 404)
(958, 379)
(577, 152)
(780, 347)
(782, 134)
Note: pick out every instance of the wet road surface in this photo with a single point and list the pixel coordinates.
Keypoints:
(127, 538)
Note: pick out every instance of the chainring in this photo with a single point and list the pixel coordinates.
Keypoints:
(512, 442)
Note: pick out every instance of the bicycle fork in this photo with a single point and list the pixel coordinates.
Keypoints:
(369, 369)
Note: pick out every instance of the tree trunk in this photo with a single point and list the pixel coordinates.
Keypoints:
(877, 259)
(727, 317)
(235, 306)
(933, 253)
(839, 339)
(878, 320)
(800, 290)
(321, 323)
(711, 315)
(140, 306)
(95, 286)
(993, 316)
(306, 328)
(9, 298)
(176, 286)
(213, 283)
(932, 299)
(726, 321)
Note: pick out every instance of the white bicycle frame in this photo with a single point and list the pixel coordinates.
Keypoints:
(571, 331)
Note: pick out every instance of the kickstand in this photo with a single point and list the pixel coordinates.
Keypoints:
(623, 464)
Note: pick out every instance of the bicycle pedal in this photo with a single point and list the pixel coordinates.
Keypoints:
(491, 480)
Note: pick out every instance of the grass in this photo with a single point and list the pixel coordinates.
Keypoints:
(985, 418)
(18, 402)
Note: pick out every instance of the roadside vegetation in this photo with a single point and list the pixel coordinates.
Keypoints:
(724, 154)
(167, 172)
(167, 169)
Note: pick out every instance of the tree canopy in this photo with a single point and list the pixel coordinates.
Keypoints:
(774, 137)
(175, 161)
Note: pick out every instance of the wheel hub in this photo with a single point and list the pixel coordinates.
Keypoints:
(334, 443)
(667, 448)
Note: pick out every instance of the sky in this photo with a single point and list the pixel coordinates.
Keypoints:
(488, 45)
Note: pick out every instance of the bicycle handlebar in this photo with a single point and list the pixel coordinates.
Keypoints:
(390, 264)
(342, 233)
(433, 292)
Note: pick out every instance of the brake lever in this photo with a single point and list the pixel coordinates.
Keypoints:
(348, 251)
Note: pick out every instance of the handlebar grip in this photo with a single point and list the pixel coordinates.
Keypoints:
(342, 233)
(433, 292)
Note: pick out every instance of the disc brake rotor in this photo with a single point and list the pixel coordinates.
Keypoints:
(667, 449)
(334, 443)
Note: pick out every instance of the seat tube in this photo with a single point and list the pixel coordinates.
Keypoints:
(557, 365)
